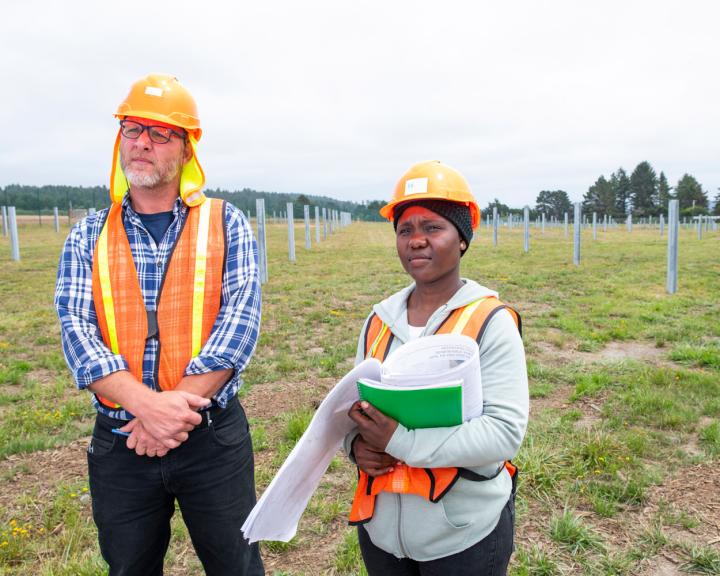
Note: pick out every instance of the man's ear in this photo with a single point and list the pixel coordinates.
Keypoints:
(187, 153)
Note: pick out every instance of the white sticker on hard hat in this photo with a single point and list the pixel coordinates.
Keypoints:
(416, 186)
(153, 91)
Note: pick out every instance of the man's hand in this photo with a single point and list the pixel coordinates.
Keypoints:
(170, 415)
(374, 426)
(141, 441)
(374, 461)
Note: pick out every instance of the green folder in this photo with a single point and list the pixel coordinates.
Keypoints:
(436, 406)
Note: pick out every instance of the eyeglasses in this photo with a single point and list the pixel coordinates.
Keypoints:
(158, 134)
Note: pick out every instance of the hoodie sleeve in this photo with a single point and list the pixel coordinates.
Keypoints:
(359, 357)
(497, 434)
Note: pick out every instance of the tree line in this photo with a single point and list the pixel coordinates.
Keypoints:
(641, 194)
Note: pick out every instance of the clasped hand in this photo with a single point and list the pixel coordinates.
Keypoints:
(164, 423)
(376, 430)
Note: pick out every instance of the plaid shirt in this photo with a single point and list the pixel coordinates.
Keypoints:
(234, 335)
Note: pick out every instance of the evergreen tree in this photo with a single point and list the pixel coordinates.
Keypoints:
(621, 189)
(664, 193)
(690, 193)
(716, 210)
(643, 190)
(600, 197)
(553, 203)
(501, 208)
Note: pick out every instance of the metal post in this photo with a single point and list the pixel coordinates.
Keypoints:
(662, 224)
(14, 240)
(56, 219)
(672, 253)
(495, 225)
(543, 223)
(577, 228)
(317, 224)
(566, 224)
(629, 222)
(594, 225)
(306, 214)
(261, 239)
(325, 224)
(5, 220)
(291, 232)
(526, 222)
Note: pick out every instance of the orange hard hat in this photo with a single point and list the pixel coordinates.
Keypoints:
(161, 97)
(433, 180)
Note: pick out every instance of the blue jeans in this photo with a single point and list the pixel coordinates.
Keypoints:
(489, 557)
(212, 477)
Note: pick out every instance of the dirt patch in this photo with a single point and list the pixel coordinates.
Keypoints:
(661, 566)
(559, 354)
(693, 491)
(618, 351)
(40, 473)
(268, 401)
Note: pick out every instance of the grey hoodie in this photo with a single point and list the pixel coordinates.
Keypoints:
(410, 526)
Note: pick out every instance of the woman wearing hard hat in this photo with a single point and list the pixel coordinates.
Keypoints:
(439, 501)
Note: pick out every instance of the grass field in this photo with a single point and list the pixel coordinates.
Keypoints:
(619, 469)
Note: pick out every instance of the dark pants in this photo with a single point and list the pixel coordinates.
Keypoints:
(212, 477)
(489, 557)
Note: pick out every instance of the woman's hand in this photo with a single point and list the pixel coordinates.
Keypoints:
(371, 460)
(374, 426)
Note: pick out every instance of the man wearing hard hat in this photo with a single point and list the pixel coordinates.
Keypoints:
(159, 306)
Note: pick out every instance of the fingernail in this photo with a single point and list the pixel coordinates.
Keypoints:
(364, 404)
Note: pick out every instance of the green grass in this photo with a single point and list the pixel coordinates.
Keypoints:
(605, 433)
(348, 559)
(702, 560)
(571, 533)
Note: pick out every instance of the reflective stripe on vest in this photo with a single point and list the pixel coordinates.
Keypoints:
(185, 312)
(430, 483)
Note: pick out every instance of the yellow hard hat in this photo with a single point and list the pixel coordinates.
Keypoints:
(161, 97)
(432, 180)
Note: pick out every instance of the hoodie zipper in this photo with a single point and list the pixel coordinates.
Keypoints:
(399, 529)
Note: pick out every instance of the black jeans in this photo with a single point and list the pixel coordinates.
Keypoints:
(489, 557)
(212, 477)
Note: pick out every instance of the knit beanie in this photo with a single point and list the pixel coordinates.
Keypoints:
(457, 213)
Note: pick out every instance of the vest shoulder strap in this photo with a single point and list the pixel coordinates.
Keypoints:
(378, 338)
(470, 320)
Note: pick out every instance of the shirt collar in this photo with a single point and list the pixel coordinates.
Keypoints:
(178, 207)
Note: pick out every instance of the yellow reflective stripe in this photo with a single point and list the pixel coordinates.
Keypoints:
(107, 297)
(200, 270)
(376, 343)
(465, 316)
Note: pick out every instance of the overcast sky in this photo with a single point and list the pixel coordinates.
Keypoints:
(339, 98)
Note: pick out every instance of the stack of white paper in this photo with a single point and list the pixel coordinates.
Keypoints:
(443, 357)
(425, 361)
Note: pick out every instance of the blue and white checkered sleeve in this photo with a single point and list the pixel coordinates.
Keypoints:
(234, 336)
(87, 356)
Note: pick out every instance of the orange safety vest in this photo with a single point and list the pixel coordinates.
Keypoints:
(189, 299)
(430, 483)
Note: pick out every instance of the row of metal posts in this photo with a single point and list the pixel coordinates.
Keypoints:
(701, 223)
(331, 220)
(9, 225)
(673, 234)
